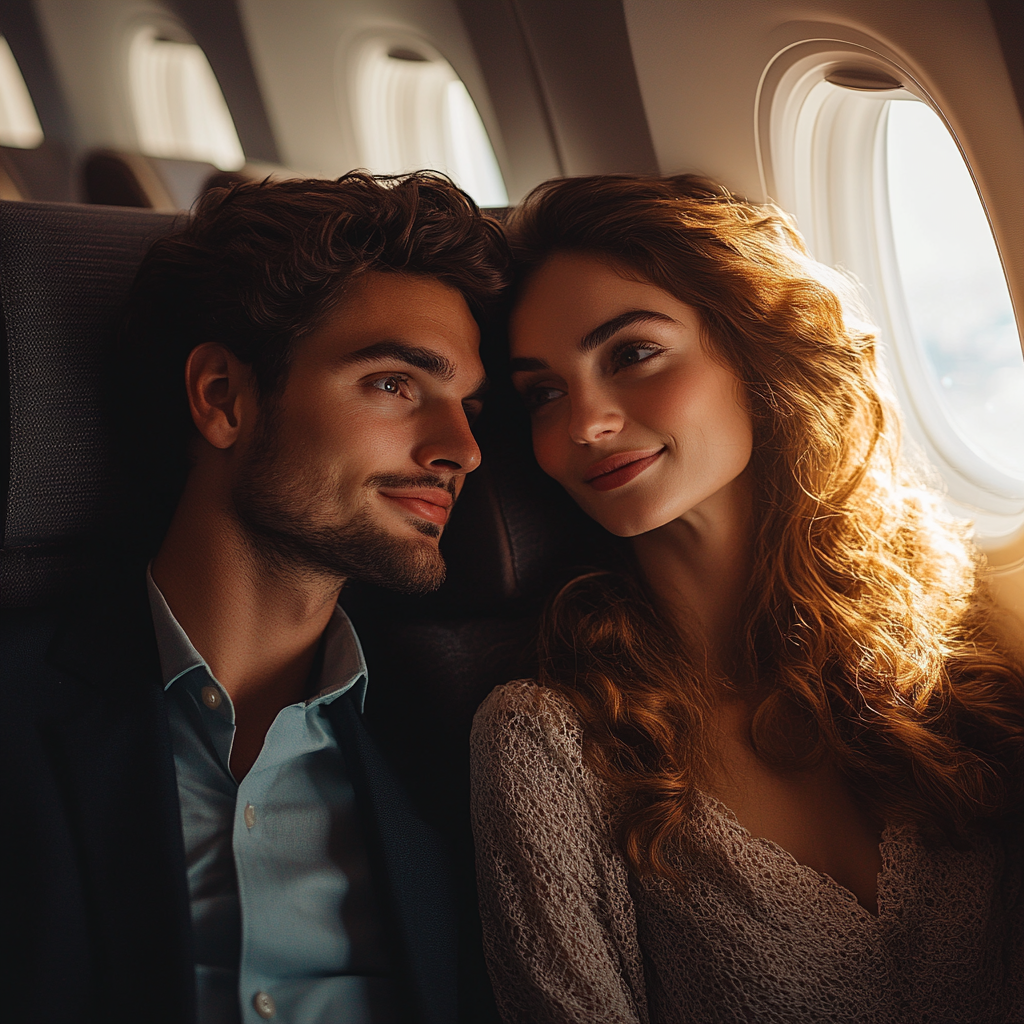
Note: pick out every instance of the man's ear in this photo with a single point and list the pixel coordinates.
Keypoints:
(219, 389)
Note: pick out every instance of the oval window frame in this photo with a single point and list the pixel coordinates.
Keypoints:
(822, 156)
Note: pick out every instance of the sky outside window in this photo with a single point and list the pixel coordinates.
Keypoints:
(955, 290)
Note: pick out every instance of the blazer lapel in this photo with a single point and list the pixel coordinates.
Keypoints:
(412, 870)
(111, 749)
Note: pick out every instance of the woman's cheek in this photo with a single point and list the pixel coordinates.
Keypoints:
(547, 452)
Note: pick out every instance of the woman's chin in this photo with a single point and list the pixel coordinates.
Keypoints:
(624, 522)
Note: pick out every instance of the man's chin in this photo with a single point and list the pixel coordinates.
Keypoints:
(410, 567)
(406, 559)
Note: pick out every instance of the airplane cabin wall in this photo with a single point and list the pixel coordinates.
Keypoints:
(718, 52)
(299, 51)
(88, 43)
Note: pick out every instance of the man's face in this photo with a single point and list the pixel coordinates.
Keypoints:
(352, 469)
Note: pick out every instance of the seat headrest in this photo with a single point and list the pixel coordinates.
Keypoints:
(64, 273)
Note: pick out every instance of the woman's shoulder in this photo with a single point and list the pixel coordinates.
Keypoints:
(522, 719)
(526, 705)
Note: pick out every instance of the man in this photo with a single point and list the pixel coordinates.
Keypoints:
(208, 831)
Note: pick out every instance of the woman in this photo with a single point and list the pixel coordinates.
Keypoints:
(772, 769)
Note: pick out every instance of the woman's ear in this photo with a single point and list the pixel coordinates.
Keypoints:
(218, 385)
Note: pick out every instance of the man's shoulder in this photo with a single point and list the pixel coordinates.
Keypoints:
(25, 641)
(94, 636)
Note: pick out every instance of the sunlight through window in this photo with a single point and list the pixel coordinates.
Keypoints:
(413, 113)
(19, 125)
(954, 287)
(178, 106)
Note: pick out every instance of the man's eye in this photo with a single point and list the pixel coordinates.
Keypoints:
(392, 385)
(630, 355)
(536, 397)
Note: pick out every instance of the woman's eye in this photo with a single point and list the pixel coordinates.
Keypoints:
(629, 355)
(392, 385)
(536, 397)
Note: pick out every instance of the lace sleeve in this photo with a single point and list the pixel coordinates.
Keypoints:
(559, 923)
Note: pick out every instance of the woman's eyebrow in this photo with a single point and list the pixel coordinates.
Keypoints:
(599, 335)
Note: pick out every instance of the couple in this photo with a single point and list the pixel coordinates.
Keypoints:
(770, 767)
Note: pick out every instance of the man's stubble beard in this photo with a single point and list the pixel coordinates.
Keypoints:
(281, 514)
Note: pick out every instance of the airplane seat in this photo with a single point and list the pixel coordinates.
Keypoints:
(64, 273)
(41, 175)
(116, 178)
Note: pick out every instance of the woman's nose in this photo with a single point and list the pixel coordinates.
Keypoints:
(594, 418)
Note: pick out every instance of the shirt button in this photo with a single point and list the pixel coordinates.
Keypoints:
(211, 696)
(250, 819)
(264, 1005)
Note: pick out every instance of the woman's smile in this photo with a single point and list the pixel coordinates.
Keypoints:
(620, 468)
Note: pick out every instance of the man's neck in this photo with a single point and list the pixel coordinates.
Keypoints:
(256, 624)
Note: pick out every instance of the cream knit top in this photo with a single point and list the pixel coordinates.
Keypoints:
(757, 937)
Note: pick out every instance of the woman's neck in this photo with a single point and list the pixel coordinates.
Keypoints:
(699, 566)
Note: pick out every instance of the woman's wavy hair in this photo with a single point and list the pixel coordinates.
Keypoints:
(867, 634)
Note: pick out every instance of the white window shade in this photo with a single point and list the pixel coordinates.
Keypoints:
(19, 125)
(412, 112)
(178, 106)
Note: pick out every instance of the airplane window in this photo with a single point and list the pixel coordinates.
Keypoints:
(412, 111)
(880, 190)
(19, 125)
(178, 106)
(954, 290)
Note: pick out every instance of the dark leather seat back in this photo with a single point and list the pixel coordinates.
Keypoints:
(112, 178)
(42, 174)
(119, 178)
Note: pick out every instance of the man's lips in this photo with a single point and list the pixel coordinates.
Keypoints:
(430, 503)
(620, 468)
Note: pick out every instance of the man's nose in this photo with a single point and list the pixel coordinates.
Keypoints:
(449, 442)
(593, 417)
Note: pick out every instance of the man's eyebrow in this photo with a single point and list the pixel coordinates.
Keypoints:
(422, 358)
(599, 335)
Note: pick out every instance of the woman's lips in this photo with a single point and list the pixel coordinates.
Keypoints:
(619, 469)
(430, 504)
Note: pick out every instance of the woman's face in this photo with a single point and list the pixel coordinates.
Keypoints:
(631, 413)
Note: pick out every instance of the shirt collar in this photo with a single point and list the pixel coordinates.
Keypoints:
(344, 667)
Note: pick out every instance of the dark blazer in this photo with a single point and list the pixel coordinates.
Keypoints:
(94, 908)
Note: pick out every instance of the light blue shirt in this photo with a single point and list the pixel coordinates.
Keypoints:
(284, 917)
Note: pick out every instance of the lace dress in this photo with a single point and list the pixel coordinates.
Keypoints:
(758, 937)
